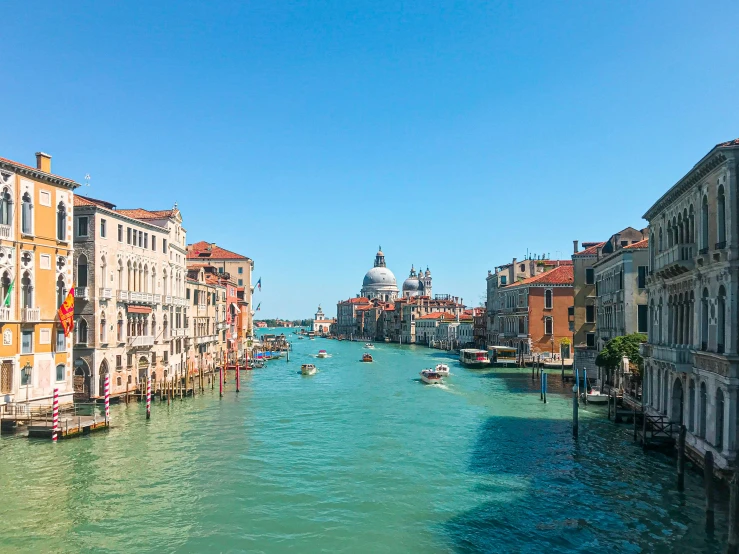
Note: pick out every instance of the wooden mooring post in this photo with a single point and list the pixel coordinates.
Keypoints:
(575, 407)
(544, 379)
(681, 459)
(708, 484)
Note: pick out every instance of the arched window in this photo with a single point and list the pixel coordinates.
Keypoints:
(661, 245)
(669, 234)
(61, 221)
(82, 271)
(704, 321)
(548, 299)
(120, 327)
(26, 214)
(721, 218)
(691, 407)
(103, 329)
(719, 441)
(702, 412)
(118, 381)
(61, 291)
(82, 331)
(548, 326)
(704, 223)
(60, 372)
(26, 290)
(5, 283)
(721, 327)
(6, 208)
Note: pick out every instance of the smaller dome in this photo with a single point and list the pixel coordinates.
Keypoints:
(412, 284)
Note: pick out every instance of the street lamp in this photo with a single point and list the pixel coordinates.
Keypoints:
(26, 376)
(552, 347)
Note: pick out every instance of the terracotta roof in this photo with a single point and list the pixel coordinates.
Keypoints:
(24, 166)
(204, 249)
(734, 142)
(591, 250)
(80, 200)
(140, 213)
(641, 244)
(438, 315)
(562, 275)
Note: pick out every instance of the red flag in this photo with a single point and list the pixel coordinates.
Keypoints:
(66, 313)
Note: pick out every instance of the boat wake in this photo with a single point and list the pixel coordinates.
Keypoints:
(326, 356)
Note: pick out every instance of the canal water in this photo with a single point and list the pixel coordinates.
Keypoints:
(357, 458)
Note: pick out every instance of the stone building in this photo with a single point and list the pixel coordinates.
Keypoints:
(36, 246)
(691, 367)
(379, 282)
(130, 312)
(206, 298)
(322, 324)
(347, 324)
(418, 284)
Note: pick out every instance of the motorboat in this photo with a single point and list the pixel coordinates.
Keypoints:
(300, 338)
(431, 377)
(442, 369)
(367, 357)
(369, 345)
(322, 354)
(595, 396)
(472, 357)
(502, 356)
(308, 369)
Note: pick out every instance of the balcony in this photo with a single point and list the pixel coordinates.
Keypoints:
(140, 298)
(83, 293)
(157, 298)
(123, 296)
(674, 261)
(141, 341)
(679, 356)
(168, 300)
(5, 231)
(177, 332)
(726, 366)
(105, 294)
(206, 339)
(31, 315)
(4, 315)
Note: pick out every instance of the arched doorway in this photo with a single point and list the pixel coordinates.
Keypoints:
(676, 413)
(103, 372)
(81, 380)
(143, 369)
(665, 391)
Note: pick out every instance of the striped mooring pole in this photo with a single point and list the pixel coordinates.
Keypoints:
(220, 380)
(238, 384)
(148, 397)
(107, 398)
(55, 408)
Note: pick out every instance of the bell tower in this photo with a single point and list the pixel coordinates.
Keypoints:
(379, 258)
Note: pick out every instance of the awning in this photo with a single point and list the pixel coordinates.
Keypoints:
(139, 309)
(235, 307)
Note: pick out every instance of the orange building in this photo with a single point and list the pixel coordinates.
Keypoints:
(534, 312)
(35, 277)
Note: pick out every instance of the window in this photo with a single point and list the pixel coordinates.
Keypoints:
(241, 270)
(548, 326)
(128, 235)
(721, 219)
(60, 372)
(241, 282)
(704, 224)
(642, 276)
(81, 226)
(146, 240)
(548, 299)
(26, 291)
(642, 318)
(164, 245)
(103, 228)
(589, 276)
(166, 356)
(502, 279)
(44, 198)
(120, 328)
(61, 341)
(187, 294)
(82, 271)
(590, 314)
(153, 242)
(590, 340)
(27, 342)
(120, 233)
(6, 208)
(624, 243)
(26, 215)
(44, 336)
(44, 261)
(118, 361)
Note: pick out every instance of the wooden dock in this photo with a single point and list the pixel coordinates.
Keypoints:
(68, 427)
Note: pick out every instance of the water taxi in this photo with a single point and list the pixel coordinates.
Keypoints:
(308, 369)
(431, 377)
(369, 345)
(502, 356)
(322, 354)
(367, 357)
(595, 396)
(442, 369)
(472, 357)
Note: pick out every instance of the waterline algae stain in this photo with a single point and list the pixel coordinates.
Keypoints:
(356, 458)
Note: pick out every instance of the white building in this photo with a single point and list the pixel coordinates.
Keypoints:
(379, 282)
(321, 324)
(691, 361)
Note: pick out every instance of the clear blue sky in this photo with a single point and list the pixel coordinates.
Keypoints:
(305, 134)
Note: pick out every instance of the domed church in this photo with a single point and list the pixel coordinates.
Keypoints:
(417, 284)
(379, 282)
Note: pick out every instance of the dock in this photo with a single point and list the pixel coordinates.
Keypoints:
(35, 420)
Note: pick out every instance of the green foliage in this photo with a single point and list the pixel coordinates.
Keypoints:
(618, 347)
(565, 341)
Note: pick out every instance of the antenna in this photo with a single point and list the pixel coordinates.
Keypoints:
(87, 179)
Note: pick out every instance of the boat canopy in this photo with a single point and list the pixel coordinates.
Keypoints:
(502, 349)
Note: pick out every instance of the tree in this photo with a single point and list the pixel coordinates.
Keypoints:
(616, 348)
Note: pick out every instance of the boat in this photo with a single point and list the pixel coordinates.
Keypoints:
(322, 354)
(442, 369)
(387, 339)
(369, 345)
(502, 356)
(300, 338)
(308, 369)
(472, 357)
(431, 377)
(595, 396)
(367, 357)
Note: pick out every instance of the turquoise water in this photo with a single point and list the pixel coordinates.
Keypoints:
(357, 458)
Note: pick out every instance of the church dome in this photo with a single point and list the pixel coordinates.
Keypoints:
(381, 276)
(413, 283)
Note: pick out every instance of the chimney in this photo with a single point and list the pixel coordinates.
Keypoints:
(574, 244)
(43, 162)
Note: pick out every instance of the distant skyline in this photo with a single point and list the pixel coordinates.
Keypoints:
(304, 135)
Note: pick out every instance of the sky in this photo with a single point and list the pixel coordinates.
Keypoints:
(305, 134)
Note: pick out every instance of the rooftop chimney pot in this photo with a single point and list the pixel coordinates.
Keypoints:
(574, 244)
(43, 162)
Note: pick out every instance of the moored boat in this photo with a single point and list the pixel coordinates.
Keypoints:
(595, 396)
(472, 357)
(431, 377)
(307, 369)
(502, 356)
(442, 369)
(322, 354)
(367, 357)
